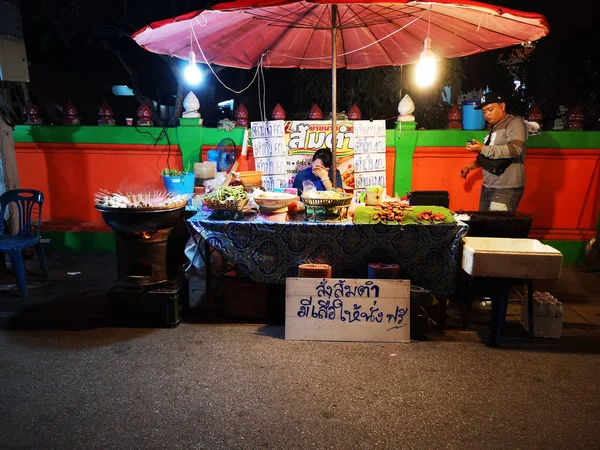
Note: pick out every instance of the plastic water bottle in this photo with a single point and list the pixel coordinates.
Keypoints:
(547, 315)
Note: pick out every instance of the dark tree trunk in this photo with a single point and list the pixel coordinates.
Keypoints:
(181, 85)
(134, 75)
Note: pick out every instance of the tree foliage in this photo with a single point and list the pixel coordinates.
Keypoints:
(105, 27)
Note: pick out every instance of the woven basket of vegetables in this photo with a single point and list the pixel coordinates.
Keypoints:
(230, 198)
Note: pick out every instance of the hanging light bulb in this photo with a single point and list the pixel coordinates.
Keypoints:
(426, 66)
(192, 73)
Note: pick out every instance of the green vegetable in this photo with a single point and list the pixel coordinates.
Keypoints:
(227, 193)
(174, 172)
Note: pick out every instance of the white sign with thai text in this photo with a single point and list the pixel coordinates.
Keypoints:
(331, 309)
(270, 152)
(270, 182)
(269, 147)
(369, 145)
(368, 128)
(275, 165)
(369, 162)
(369, 155)
(274, 128)
(364, 179)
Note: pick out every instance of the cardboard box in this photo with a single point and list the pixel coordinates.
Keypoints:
(245, 299)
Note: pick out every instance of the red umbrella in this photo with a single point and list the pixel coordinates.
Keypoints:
(361, 34)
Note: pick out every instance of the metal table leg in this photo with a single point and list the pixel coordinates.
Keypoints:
(501, 289)
(207, 265)
(530, 308)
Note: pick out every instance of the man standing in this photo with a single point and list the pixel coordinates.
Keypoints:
(501, 156)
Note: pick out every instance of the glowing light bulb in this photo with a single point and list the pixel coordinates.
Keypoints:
(192, 73)
(425, 73)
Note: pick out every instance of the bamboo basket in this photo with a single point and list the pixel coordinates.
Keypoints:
(226, 206)
(314, 271)
(327, 202)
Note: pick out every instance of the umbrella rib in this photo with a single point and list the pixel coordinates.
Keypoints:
(485, 28)
(503, 17)
(445, 29)
(287, 29)
(325, 10)
(355, 21)
(391, 22)
(375, 37)
(288, 18)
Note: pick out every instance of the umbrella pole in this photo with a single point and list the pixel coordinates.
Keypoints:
(333, 94)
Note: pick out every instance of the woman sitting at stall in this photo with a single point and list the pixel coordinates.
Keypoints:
(320, 172)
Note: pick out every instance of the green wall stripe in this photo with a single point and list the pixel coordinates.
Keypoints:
(212, 136)
(546, 139)
(79, 241)
(405, 148)
(573, 251)
(92, 135)
(57, 134)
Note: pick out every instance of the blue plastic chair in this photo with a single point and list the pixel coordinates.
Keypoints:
(14, 244)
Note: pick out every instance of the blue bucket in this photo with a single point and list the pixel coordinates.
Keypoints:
(472, 118)
(183, 184)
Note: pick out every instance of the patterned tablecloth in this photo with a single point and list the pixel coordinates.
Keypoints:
(269, 252)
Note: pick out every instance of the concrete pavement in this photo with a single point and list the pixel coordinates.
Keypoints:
(70, 379)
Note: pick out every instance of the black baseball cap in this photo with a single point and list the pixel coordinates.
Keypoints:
(490, 97)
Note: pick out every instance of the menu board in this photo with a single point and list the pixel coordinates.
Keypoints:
(369, 155)
(270, 153)
(306, 137)
(284, 148)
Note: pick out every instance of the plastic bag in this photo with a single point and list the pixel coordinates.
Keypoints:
(197, 258)
(308, 188)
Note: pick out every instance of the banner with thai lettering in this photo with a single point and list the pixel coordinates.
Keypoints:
(304, 137)
(296, 141)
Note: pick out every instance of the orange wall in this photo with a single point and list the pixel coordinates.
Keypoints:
(562, 187)
(562, 191)
(69, 174)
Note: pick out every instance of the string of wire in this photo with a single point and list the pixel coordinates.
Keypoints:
(259, 73)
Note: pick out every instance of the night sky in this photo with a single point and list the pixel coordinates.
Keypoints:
(79, 67)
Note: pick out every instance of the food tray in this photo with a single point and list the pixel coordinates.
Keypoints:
(229, 205)
(134, 209)
(327, 202)
(274, 203)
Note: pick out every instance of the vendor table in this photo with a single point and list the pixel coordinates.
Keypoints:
(268, 252)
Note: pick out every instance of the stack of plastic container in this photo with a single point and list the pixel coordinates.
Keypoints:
(547, 315)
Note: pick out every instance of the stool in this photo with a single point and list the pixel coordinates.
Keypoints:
(314, 271)
(381, 271)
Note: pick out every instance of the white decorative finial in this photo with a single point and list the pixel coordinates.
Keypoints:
(405, 108)
(191, 105)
